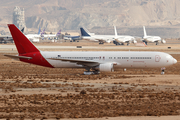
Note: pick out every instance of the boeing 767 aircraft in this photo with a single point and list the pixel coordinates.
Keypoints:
(93, 61)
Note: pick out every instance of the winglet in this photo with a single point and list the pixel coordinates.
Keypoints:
(22, 43)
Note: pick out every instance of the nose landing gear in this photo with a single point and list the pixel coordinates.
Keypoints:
(163, 71)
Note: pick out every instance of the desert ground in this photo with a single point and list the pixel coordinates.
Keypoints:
(33, 92)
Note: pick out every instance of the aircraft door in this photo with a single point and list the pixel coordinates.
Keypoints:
(157, 58)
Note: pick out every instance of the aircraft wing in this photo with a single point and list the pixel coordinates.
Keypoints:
(104, 40)
(88, 63)
(101, 40)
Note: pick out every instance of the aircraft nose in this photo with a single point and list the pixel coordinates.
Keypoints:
(174, 61)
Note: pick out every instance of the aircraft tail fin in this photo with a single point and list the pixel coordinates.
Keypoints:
(144, 29)
(83, 32)
(42, 33)
(115, 30)
(22, 43)
(58, 33)
(39, 31)
(22, 30)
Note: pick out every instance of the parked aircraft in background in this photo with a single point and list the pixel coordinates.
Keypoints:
(121, 39)
(155, 39)
(51, 36)
(35, 37)
(72, 38)
(7, 38)
(116, 39)
(97, 60)
(92, 37)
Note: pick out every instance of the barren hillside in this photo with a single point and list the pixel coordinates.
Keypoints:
(70, 14)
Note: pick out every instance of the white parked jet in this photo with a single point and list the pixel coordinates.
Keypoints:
(96, 60)
(92, 37)
(8, 38)
(50, 36)
(155, 39)
(116, 39)
(123, 39)
(35, 37)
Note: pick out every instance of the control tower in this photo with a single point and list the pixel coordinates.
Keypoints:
(19, 18)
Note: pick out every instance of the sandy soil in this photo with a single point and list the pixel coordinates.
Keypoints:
(32, 92)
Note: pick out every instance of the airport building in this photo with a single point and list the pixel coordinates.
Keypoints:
(19, 18)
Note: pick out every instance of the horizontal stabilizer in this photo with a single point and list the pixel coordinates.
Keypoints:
(16, 57)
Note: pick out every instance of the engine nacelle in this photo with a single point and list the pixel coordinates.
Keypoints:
(108, 41)
(107, 67)
(134, 41)
(163, 41)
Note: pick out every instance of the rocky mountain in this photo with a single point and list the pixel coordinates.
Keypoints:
(71, 14)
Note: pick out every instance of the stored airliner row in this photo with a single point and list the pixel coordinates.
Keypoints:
(94, 62)
(116, 39)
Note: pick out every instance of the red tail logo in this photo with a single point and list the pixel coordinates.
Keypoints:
(26, 48)
(22, 43)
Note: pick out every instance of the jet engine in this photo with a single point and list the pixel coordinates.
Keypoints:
(163, 41)
(134, 41)
(107, 67)
(108, 41)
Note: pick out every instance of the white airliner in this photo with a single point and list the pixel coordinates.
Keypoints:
(123, 39)
(35, 37)
(155, 39)
(92, 37)
(94, 62)
(116, 39)
(8, 38)
(50, 36)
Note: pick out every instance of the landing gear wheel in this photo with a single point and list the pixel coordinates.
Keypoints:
(163, 71)
(88, 72)
(101, 43)
(145, 43)
(96, 72)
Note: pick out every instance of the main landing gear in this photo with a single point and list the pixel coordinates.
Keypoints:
(88, 72)
(101, 43)
(157, 43)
